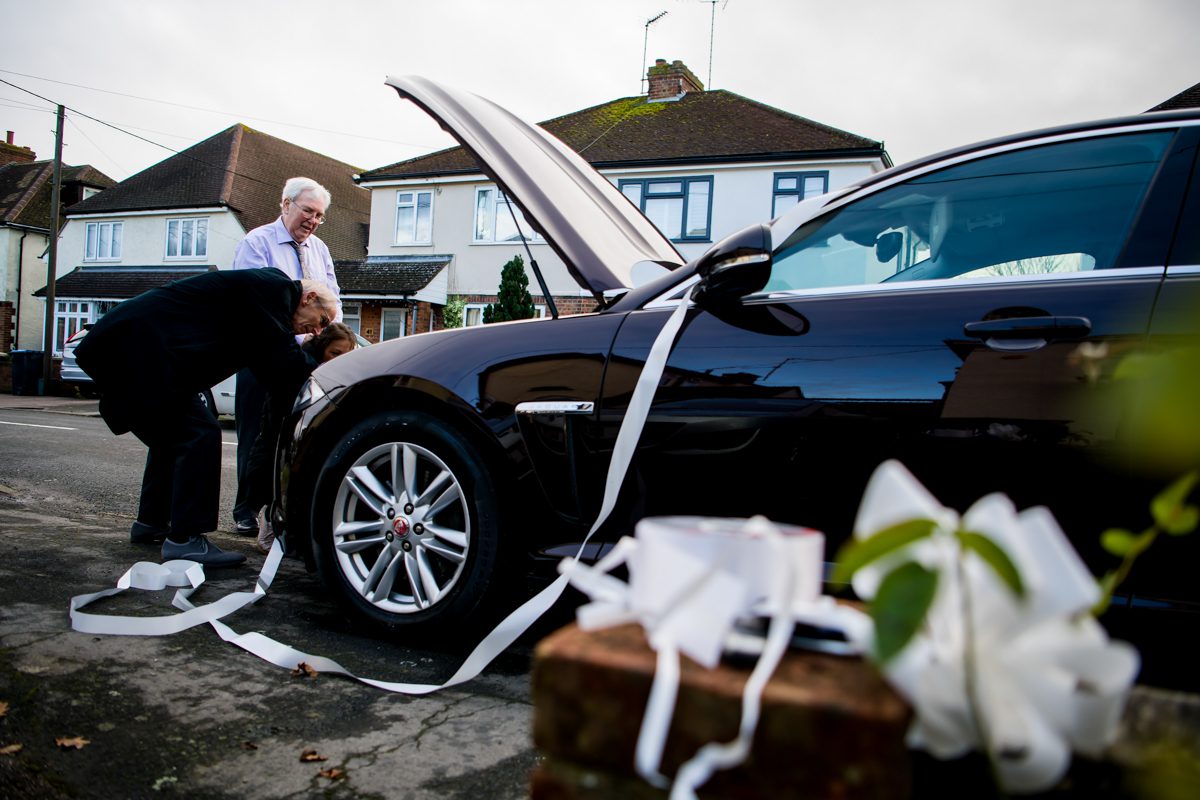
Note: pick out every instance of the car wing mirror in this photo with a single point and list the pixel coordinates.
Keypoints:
(734, 267)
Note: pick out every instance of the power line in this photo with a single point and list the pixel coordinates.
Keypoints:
(215, 111)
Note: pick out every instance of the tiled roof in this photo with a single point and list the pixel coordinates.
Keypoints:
(245, 170)
(118, 283)
(25, 190)
(1188, 98)
(699, 127)
(388, 275)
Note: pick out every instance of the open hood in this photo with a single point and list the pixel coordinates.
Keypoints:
(596, 231)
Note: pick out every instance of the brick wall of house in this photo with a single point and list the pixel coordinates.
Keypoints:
(6, 327)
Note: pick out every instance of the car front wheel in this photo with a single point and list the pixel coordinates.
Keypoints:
(405, 527)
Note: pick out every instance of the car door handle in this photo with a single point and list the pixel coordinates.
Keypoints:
(1030, 327)
(1024, 334)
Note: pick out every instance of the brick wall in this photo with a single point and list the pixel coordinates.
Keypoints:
(6, 327)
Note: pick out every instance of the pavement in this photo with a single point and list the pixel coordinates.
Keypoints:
(63, 405)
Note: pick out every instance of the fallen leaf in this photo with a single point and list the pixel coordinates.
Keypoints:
(3, 708)
(310, 754)
(11, 749)
(249, 746)
(303, 669)
(78, 742)
(333, 773)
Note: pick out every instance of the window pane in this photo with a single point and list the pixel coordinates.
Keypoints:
(634, 192)
(172, 238)
(472, 316)
(785, 183)
(185, 243)
(201, 237)
(813, 186)
(506, 229)
(783, 202)
(89, 250)
(392, 323)
(116, 240)
(105, 241)
(404, 224)
(697, 209)
(424, 217)
(667, 214)
(1052, 208)
(404, 198)
(483, 221)
(660, 187)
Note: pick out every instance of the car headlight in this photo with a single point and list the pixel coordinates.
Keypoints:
(310, 393)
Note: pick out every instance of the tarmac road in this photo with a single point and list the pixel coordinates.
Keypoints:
(188, 715)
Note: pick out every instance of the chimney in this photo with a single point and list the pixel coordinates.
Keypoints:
(671, 81)
(13, 154)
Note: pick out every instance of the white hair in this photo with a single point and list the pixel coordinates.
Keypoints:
(325, 295)
(298, 186)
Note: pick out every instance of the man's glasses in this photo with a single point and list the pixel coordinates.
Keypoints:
(309, 213)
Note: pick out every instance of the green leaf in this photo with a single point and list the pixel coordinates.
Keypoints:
(1168, 508)
(1184, 522)
(857, 553)
(995, 557)
(1108, 584)
(900, 606)
(1117, 541)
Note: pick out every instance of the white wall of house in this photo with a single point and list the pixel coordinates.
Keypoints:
(144, 239)
(741, 195)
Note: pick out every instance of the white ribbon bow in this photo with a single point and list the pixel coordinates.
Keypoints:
(690, 580)
(1047, 679)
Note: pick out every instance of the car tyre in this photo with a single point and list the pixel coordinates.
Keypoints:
(405, 526)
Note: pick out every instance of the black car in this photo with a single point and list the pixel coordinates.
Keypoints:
(956, 313)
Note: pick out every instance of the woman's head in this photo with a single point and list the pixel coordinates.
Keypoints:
(333, 341)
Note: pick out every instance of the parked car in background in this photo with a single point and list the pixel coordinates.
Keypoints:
(947, 313)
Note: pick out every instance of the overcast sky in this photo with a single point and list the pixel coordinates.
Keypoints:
(922, 75)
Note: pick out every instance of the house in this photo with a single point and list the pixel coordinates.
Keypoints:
(186, 214)
(1188, 98)
(700, 164)
(26, 186)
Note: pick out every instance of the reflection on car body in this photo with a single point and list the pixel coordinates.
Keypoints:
(934, 313)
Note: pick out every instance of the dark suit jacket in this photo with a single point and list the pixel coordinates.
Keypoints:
(168, 344)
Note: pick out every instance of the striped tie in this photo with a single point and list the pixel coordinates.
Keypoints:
(302, 254)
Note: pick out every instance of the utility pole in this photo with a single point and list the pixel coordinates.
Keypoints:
(52, 267)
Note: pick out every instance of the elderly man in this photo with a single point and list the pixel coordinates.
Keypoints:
(151, 357)
(288, 244)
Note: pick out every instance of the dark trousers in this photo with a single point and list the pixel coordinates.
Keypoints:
(248, 413)
(182, 481)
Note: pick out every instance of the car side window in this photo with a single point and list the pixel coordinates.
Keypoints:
(1064, 207)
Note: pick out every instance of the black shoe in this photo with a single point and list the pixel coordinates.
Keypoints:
(141, 533)
(202, 551)
(245, 527)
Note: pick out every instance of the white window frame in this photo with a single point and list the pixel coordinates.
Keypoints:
(384, 313)
(94, 234)
(492, 206)
(195, 224)
(71, 314)
(352, 316)
(415, 227)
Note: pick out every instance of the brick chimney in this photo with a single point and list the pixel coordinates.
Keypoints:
(670, 81)
(12, 154)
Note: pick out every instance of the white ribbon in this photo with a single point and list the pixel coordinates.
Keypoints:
(690, 580)
(1048, 680)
